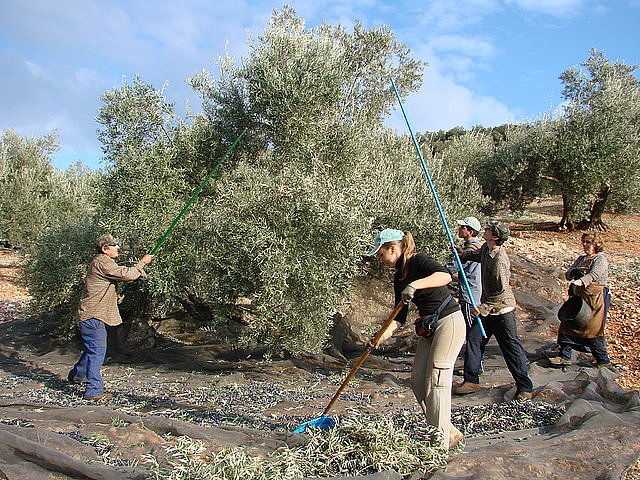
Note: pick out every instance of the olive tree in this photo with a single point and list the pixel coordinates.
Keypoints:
(35, 196)
(516, 170)
(588, 154)
(276, 228)
(600, 138)
(290, 222)
(281, 228)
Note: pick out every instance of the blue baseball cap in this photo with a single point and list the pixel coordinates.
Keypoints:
(386, 235)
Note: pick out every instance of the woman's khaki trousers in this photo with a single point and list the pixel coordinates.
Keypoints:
(432, 372)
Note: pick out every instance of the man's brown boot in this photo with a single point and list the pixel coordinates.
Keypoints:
(522, 396)
(466, 388)
(101, 397)
(559, 362)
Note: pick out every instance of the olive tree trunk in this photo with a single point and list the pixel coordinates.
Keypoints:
(595, 222)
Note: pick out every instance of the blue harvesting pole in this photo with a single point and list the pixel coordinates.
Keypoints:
(461, 274)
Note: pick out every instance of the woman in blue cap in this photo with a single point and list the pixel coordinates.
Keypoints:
(420, 279)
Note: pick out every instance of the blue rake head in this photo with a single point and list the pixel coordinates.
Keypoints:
(323, 422)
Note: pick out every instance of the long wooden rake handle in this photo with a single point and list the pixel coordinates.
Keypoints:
(374, 344)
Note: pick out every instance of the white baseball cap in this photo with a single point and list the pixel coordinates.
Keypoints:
(471, 222)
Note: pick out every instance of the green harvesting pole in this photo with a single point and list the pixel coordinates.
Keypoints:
(200, 188)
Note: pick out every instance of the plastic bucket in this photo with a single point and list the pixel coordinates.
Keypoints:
(575, 312)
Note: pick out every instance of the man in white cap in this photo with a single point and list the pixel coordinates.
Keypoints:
(468, 230)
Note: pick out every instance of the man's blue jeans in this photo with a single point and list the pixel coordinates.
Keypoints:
(503, 327)
(94, 348)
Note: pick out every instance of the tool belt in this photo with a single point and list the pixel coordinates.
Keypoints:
(427, 324)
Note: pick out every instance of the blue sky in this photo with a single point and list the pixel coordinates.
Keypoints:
(490, 61)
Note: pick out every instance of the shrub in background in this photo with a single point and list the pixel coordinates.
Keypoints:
(394, 192)
(56, 269)
(25, 170)
(35, 196)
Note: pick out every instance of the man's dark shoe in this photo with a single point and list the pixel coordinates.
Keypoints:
(72, 380)
(101, 397)
(466, 388)
(523, 396)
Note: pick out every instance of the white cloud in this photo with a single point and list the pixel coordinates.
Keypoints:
(448, 16)
(458, 56)
(86, 78)
(443, 104)
(38, 71)
(464, 45)
(560, 8)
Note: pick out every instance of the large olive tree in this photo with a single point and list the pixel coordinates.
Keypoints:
(280, 230)
(290, 219)
(599, 139)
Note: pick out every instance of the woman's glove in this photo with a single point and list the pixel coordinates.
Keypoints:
(575, 274)
(577, 283)
(407, 293)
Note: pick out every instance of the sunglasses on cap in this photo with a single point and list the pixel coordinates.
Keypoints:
(493, 226)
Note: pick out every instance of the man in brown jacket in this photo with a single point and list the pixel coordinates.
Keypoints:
(99, 307)
(498, 311)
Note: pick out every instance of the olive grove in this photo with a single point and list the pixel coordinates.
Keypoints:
(279, 233)
(276, 238)
(588, 153)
